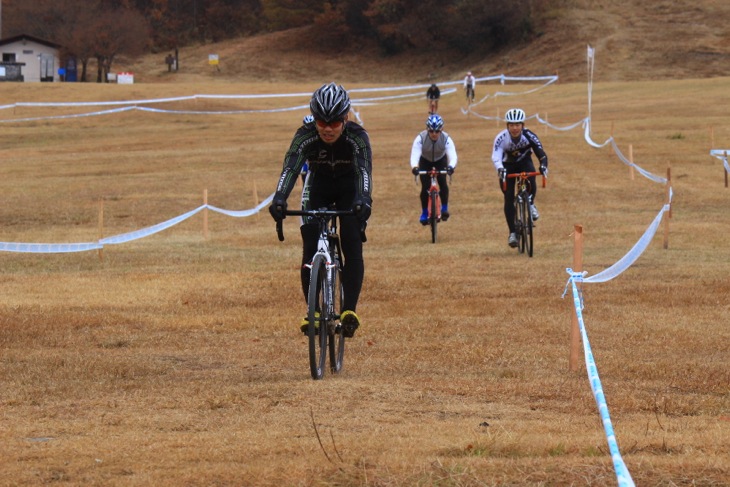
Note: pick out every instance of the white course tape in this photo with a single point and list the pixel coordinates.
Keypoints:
(643, 172)
(722, 155)
(55, 248)
(622, 473)
(627, 260)
(243, 213)
(40, 248)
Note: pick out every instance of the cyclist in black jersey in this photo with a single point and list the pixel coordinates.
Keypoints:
(340, 167)
(512, 153)
(433, 93)
(305, 168)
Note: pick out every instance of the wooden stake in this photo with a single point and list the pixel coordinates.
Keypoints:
(669, 187)
(101, 227)
(574, 328)
(205, 214)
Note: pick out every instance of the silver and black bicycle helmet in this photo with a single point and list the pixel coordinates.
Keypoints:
(307, 119)
(515, 115)
(330, 103)
(434, 122)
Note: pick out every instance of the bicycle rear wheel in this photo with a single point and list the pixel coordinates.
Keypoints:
(318, 317)
(336, 340)
(433, 218)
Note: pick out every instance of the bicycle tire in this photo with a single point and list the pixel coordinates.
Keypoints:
(433, 218)
(525, 219)
(336, 340)
(317, 301)
(518, 224)
(528, 232)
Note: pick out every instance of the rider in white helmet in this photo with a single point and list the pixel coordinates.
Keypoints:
(512, 153)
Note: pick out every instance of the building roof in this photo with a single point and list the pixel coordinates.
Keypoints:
(21, 37)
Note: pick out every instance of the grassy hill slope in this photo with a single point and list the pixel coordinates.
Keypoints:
(633, 41)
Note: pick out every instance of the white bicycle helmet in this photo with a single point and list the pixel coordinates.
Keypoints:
(330, 103)
(307, 119)
(515, 115)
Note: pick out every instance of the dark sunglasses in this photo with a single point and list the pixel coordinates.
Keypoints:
(434, 131)
(335, 124)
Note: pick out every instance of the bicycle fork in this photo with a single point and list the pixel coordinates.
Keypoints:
(327, 315)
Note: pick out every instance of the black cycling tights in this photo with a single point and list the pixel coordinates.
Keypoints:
(509, 199)
(440, 165)
(354, 269)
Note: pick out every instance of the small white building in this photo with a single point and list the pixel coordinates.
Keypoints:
(38, 59)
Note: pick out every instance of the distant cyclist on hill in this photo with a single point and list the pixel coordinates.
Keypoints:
(469, 85)
(512, 153)
(432, 95)
(340, 167)
(433, 148)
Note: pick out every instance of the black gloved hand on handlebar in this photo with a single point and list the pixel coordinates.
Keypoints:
(362, 208)
(415, 171)
(502, 172)
(278, 208)
(544, 170)
(450, 170)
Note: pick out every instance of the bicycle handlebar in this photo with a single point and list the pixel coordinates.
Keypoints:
(325, 213)
(521, 175)
(524, 174)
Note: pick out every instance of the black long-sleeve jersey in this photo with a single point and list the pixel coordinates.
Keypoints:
(349, 156)
(508, 151)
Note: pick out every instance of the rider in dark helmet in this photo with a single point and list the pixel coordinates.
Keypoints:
(340, 167)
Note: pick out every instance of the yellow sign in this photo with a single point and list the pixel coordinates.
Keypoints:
(213, 59)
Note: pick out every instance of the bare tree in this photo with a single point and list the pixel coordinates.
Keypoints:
(114, 32)
(86, 29)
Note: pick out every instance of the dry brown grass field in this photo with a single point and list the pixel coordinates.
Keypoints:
(176, 359)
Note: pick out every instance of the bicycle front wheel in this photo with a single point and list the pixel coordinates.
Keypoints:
(519, 225)
(317, 315)
(336, 340)
(528, 232)
(524, 210)
(433, 217)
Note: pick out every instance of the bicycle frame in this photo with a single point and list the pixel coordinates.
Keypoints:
(324, 299)
(523, 215)
(433, 105)
(434, 199)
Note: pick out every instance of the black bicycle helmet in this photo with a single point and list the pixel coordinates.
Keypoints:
(330, 102)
